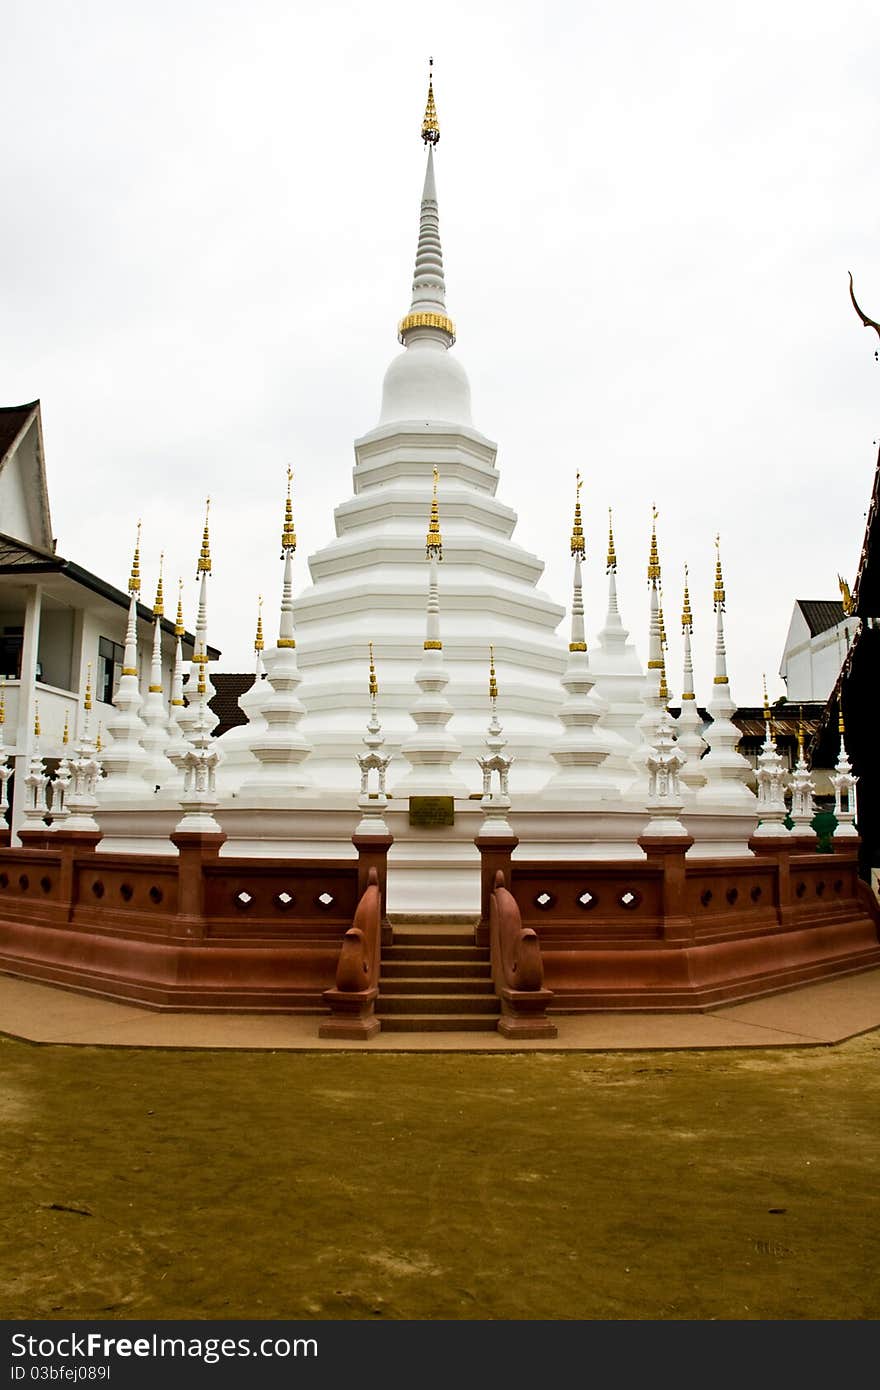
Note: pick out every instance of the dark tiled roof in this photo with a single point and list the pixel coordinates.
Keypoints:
(12, 417)
(229, 685)
(821, 613)
(866, 589)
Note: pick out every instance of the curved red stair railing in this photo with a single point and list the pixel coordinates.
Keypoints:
(517, 969)
(353, 998)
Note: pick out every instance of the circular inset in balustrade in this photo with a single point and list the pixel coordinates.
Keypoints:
(587, 900)
(731, 895)
(24, 882)
(284, 901)
(630, 900)
(755, 892)
(155, 895)
(838, 885)
(820, 887)
(126, 892)
(706, 896)
(4, 880)
(98, 888)
(325, 900)
(800, 889)
(46, 884)
(243, 900)
(545, 901)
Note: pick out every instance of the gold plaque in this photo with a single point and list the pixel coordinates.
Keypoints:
(431, 810)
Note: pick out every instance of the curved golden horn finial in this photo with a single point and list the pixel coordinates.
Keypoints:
(288, 534)
(374, 683)
(134, 580)
(259, 644)
(845, 595)
(493, 683)
(718, 597)
(179, 628)
(204, 565)
(869, 323)
(434, 540)
(578, 547)
(687, 617)
(159, 605)
(654, 558)
(430, 124)
(611, 558)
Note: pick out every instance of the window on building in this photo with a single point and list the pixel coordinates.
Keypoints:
(10, 652)
(110, 656)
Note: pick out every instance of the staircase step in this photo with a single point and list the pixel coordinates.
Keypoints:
(430, 951)
(439, 1023)
(436, 1003)
(434, 936)
(435, 984)
(429, 969)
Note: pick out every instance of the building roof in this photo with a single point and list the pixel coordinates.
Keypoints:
(20, 559)
(821, 614)
(866, 589)
(12, 420)
(786, 717)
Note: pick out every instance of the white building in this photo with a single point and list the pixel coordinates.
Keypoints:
(818, 640)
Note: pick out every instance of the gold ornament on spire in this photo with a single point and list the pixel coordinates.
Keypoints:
(611, 558)
(663, 690)
(664, 645)
(718, 596)
(201, 687)
(493, 684)
(134, 581)
(434, 540)
(204, 565)
(259, 644)
(840, 729)
(578, 547)
(654, 558)
(2, 703)
(687, 617)
(98, 744)
(767, 715)
(87, 699)
(430, 124)
(374, 684)
(288, 535)
(159, 605)
(65, 737)
(36, 720)
(179, 628)
(800, 731)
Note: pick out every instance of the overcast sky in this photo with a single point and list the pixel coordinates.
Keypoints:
(648, 214)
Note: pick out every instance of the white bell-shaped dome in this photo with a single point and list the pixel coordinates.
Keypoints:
(425, 382)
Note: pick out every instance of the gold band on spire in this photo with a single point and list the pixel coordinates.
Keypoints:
(288, 534)
(664, 645)
(654, 558)
(578, 547)
(687, 617)
(800, 731)
(201, 687)
(374, 684)
(36, 720)
(611, 558)
(663, 690)
(179, 628)
(767, 715)
(430, 124)
(65, 737)
(840, 729)
(434, 540)
(134, 581)
(259, 644)
(87, 700)
(204, 565)
(2, 703)
(493, 684)
(159, 605)
(718, 597)
(98, 744)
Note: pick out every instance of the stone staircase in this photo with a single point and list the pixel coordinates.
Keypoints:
(434, 979)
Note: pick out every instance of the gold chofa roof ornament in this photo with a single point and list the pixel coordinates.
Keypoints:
(718, 597)
(434, 540)
(578, 547)
(430, 124)
(845, 595)
(204, 565)
(288, 534)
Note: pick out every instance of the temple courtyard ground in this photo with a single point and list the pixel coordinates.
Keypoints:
(656, 1182)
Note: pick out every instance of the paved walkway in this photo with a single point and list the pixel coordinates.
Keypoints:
(814, 1015)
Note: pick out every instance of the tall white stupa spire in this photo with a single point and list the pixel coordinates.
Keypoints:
(727, 771)
(655, 694)
(125, 761)
(198, 671)
(154, 714)
(689, 727)
(619, 677)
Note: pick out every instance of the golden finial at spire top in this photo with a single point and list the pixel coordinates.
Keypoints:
(204, 565)
(800, 730)
(36, 720)
(493, 684)
(159, 605)
(434, 540)
(840, 729)
(98, 744)
(134, 581)
(718, 597)
(374, 684)
(654, 558)
(767, 715)
(259, 644)
(87, 699)
(578, 547)
(65, 737)
(2, 703)
(179, 628)
(687, 617)
(611, 558)
(288, 535)
(430, 124)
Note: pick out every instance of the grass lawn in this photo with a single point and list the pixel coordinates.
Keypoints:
(161, 1184)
